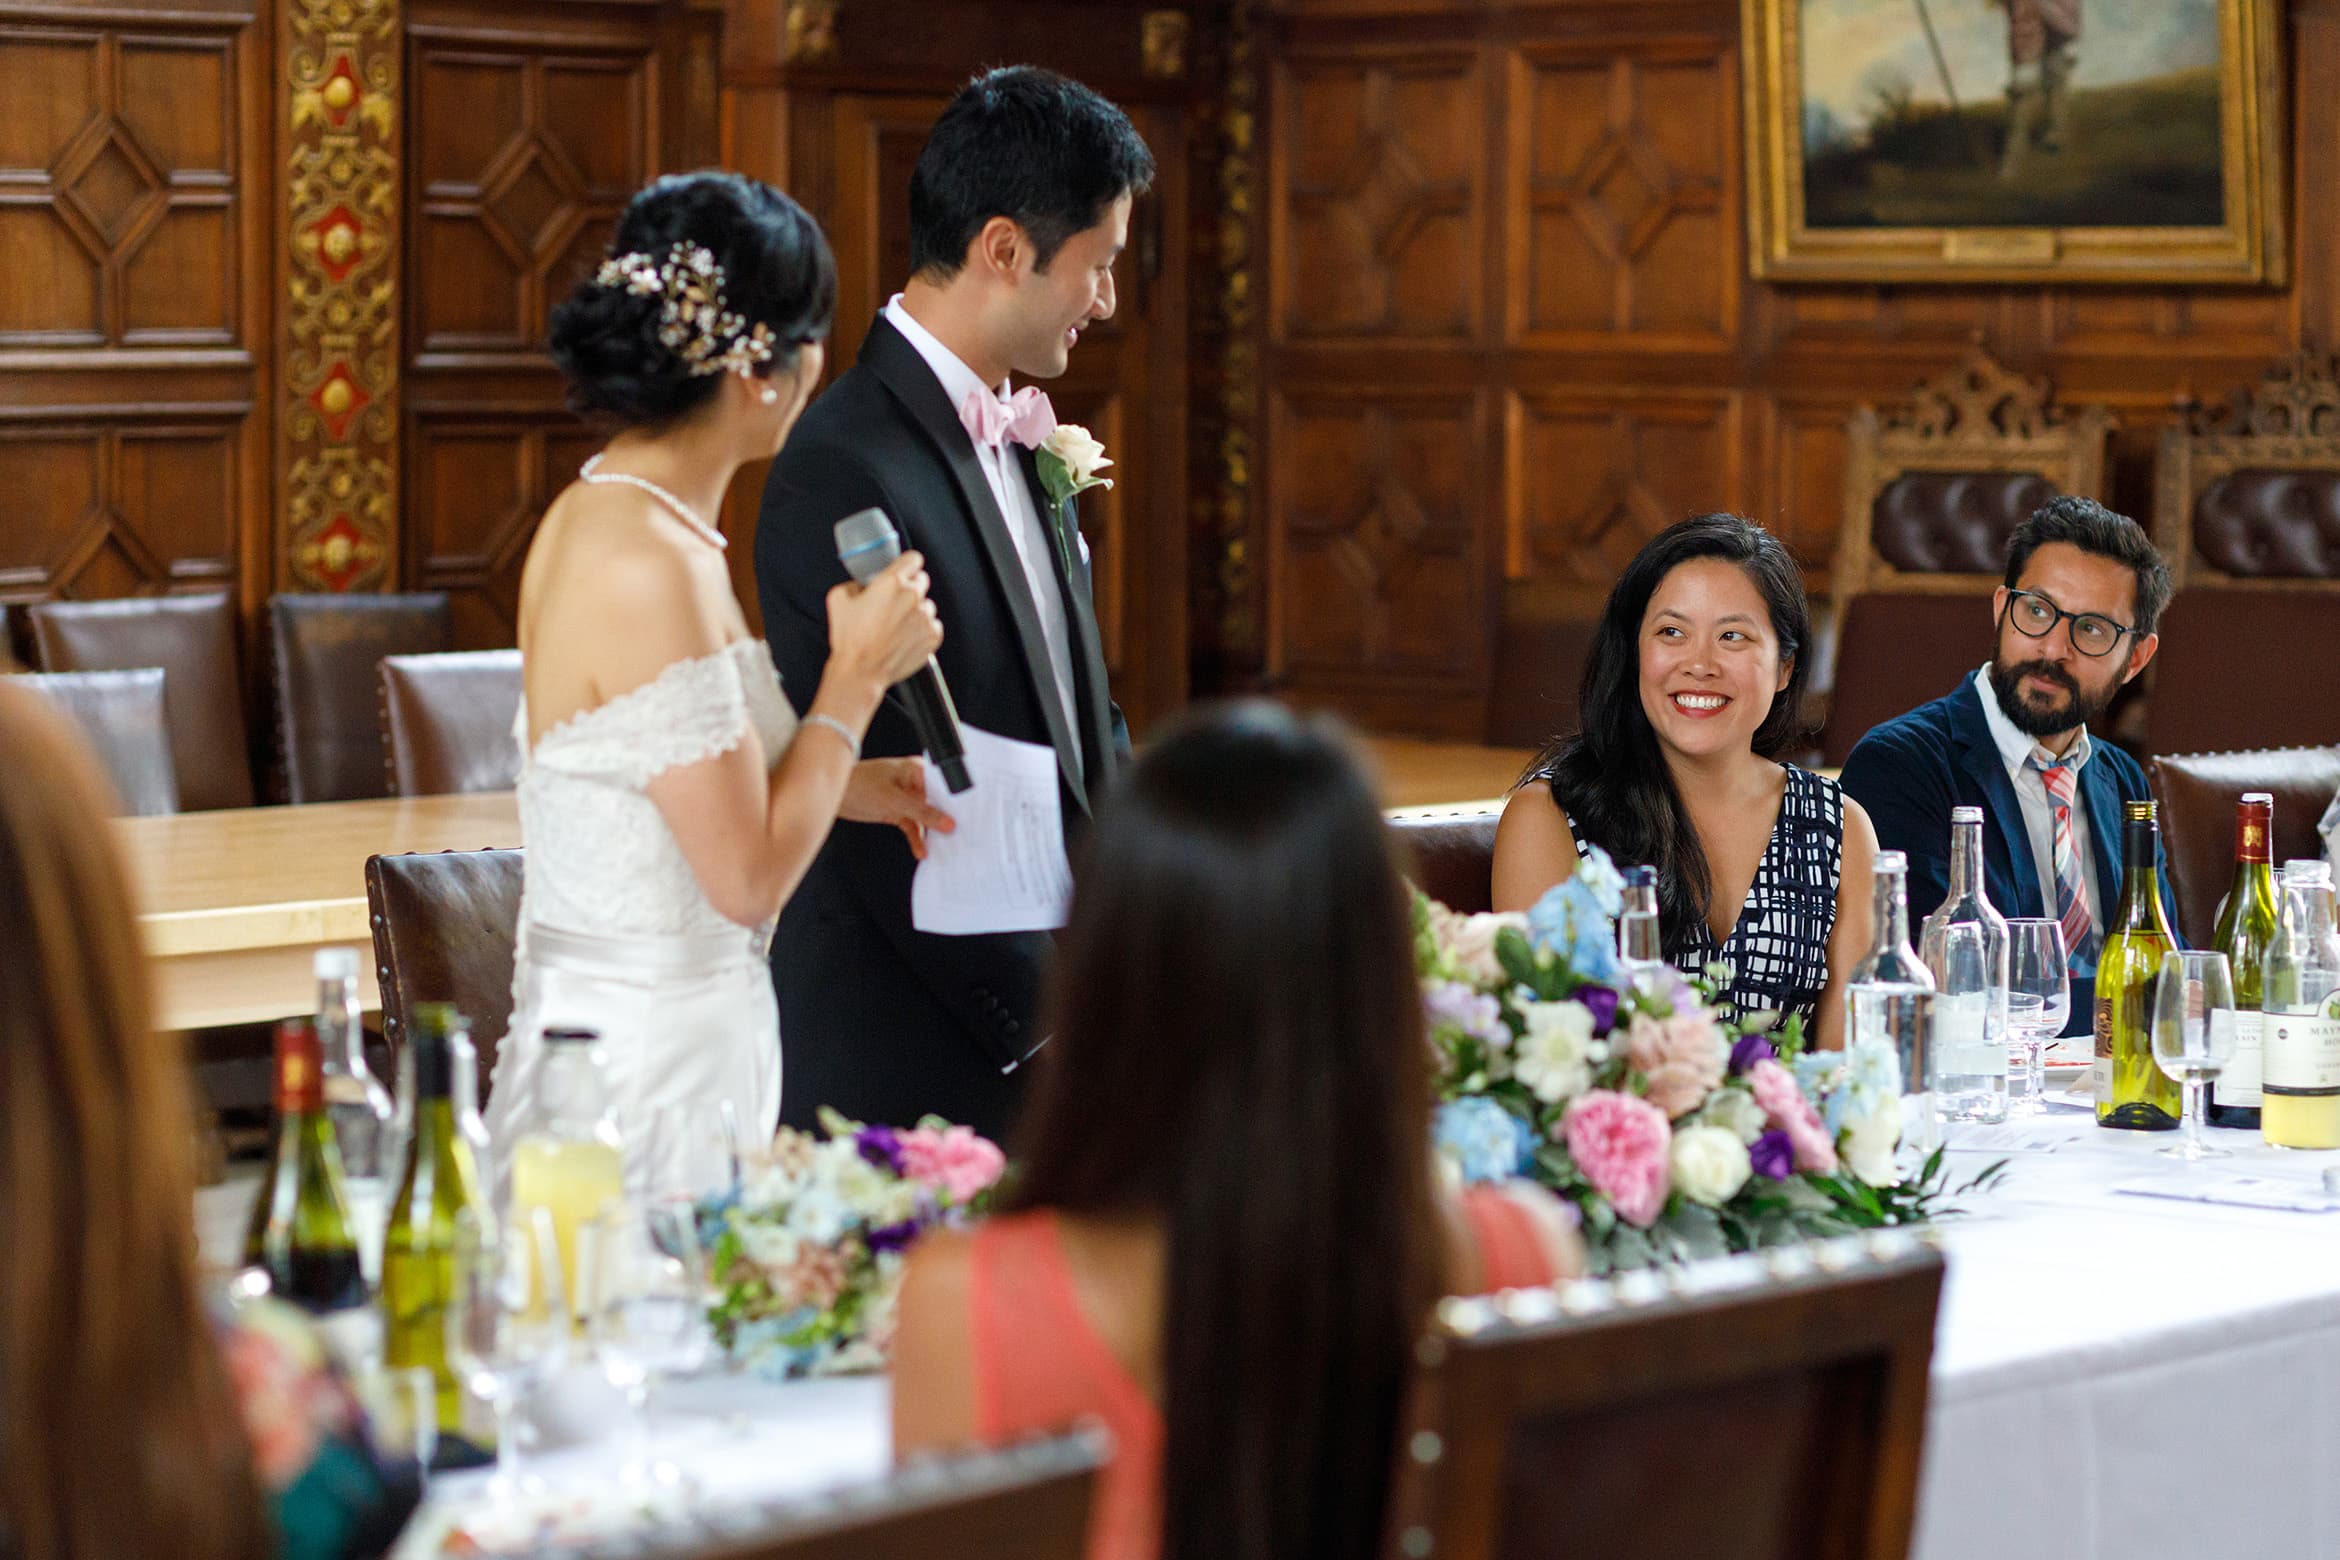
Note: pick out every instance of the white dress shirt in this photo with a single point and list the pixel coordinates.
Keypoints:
(2039, 815)
(1014, 496)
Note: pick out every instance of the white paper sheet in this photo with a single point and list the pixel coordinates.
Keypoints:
(1004, 868)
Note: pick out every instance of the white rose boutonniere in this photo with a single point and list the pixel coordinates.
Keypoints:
(1070, 459)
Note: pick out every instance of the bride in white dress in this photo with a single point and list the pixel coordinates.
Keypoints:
(670, 796)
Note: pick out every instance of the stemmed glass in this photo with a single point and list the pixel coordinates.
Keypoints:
(2188, 1043)
(505, 1335)
(647, 1312)
(2039, 1000)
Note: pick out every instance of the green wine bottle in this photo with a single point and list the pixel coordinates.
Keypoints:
(2132, 1091)
(301, 1233)
(2246, 922)
(441, 1182)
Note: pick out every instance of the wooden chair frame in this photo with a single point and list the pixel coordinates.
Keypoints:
(2289, 420)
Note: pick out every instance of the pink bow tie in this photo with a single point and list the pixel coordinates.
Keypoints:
(1025, 417)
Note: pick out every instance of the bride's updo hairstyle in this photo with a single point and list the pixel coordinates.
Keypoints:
(707, 274)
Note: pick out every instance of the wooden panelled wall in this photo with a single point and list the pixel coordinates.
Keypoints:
(1508, 331)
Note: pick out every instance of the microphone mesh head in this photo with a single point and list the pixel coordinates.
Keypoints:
(866, 543)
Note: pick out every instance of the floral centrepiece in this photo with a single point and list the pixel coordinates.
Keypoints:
(1675, 1134)
(807, 1255)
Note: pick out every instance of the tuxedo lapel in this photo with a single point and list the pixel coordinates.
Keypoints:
(912, 384)
(1072, 578)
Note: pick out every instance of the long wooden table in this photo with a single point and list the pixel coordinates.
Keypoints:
(233, 904)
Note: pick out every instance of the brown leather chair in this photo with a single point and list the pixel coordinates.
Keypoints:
(1029, 1502)
(16, 650)
(194, 637)
(2198, 793)
(1451, 856)
(121, 716)
(1559, 1423)
(444, 928)
(328, 703)
(447, 721)
(1904, 648)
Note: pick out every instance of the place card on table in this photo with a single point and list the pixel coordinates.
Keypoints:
(2237, 1191)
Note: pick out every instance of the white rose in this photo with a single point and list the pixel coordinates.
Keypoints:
(1472, 940)
(1709, 1164)
(1735, 1111)
(1554, 1058)
(1870, 1141)
(768, 1246)
(1082, 455)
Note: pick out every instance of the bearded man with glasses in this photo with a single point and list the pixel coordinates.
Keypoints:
(2073, 623)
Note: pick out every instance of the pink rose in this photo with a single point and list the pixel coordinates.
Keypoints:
(1785, 1107)
(816, 1278)
(1621, 1144)
(957, 1160)
(1682, 1057)
(1470, 941)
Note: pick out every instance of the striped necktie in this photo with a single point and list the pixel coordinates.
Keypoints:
(2071, 903)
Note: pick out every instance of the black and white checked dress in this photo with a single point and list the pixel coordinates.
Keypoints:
(1779, 948)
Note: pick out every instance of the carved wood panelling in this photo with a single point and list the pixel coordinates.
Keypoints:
(477, 488)
(112, 510)
(1624, 200)
(1379, 557)
(1594, 475)
(1378, 182)
(118, 157)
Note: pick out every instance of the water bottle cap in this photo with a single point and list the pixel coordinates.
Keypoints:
(1966, 815)
(1891, 861)
(336, 964)
(571, 1036)
(1641, 877)
(2308, 872)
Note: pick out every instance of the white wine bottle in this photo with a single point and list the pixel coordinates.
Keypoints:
(2299, 1103)
(2132, 1090)
(2246, 923)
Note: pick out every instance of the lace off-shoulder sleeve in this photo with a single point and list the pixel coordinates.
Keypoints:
(692, 710)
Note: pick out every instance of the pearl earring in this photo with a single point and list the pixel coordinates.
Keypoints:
(771, 397)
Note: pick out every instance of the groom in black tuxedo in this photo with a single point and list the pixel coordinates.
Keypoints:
(1018, 207)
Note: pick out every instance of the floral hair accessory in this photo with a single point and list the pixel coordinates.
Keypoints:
(693, 321)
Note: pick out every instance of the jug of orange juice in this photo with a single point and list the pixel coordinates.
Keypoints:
(569, 1160)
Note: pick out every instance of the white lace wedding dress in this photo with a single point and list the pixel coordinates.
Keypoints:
(616, 936)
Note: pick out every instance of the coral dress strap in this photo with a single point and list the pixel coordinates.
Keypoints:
(1039, 1362)
(1513, 1250)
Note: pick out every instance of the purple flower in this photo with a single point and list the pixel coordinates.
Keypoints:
(1750, 1050)
(881, 1146)
(894, 1237)
(1773, 1154)
(1601, 1003)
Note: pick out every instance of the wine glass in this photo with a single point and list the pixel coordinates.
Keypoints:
(2039, 999)
(647, 1312)
(2189, 1044)
(507, 1335)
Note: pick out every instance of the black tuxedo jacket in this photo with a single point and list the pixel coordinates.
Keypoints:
(882, 1022)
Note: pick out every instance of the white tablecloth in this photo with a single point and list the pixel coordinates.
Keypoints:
(2115, 1377)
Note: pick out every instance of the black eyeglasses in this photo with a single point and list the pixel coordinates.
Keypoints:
(2036, 617)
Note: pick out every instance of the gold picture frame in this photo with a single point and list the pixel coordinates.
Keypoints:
(2035, 158)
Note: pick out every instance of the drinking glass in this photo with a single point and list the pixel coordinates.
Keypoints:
(2039, 1000)
(401, 1405)
(2187, 1044)
(504, 1338)
(647, 1311)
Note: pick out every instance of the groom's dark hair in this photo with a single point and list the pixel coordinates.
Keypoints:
(1026, 144)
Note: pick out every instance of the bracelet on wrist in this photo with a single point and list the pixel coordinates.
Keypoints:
(831, 722)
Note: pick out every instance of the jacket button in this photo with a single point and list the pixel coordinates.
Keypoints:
(1011, 1027)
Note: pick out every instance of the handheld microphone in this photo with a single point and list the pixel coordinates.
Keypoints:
(866, 544)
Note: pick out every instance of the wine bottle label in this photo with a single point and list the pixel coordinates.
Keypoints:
(1961, 1025)
(2100, 1070)
(2237, 1086)
(2300, 1052)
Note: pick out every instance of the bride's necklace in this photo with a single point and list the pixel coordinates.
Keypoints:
(591, 472)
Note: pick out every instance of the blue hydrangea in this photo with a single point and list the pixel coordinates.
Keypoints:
(1485, 1141)
(1850, 1083)
(1572, 925)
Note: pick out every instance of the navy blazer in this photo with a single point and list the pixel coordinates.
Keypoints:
(1910, 771)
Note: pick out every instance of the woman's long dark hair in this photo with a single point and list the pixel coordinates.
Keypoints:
(1239, 1054)
(1609, 776)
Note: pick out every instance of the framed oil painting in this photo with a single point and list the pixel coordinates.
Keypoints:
(2014, 140)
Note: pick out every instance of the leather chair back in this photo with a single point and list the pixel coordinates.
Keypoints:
(2198, 793)
(195, 638)
(444, 931)
(2244, 668)
(16, 649)
(1029, 1502)
(1896, 650)
(328, 711)
(1451, 856)
(2248, 493)
(1550, 1425)
(121, 716)
(447, 721)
